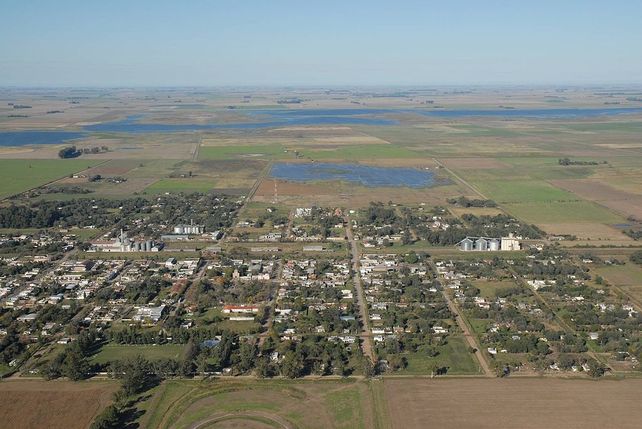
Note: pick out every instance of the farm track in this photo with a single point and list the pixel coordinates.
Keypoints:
(460, 179)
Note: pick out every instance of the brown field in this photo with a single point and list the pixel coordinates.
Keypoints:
(625, 203)
(53, 404)
(477, 211)
(348, 195)
(586, 231)
(513, 403)
(473, 163)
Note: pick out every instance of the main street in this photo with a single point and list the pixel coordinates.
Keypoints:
(366, 339)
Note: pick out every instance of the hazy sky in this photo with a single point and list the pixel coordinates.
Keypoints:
(323, 42)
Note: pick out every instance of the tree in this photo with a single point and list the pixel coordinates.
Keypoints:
(263, 367)
(135, 374)
(368, 368)
(411, 258)
(108, 419)
(636, 257)
(434, 369)
(74, 365)
(69, 152)
(292, 365)
(247, 354)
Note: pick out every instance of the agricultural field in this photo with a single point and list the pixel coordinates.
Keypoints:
(34, 403)
(19, 175)
(519, 402)
(180, 185)
(626, 277)
(354, 315)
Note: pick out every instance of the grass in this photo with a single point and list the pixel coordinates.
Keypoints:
(163, 398)
(112, 352)
(230, 152)
(627, 277)
(479, 326)
(182, 403)
(522, 191)
(19, 175)
(361, 152)
(488, 289)
(180, 185)
(454, 355)
(563, 212)
(342, 406)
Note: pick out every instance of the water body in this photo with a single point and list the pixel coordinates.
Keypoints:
(355, 173)
(23, 138)
(273, 118)
(133, 124)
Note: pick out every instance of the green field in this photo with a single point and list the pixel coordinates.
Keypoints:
(248, 151)
(180, 185)
(19, 175)
(489, 289)
(563, 212)
(342, 405)
(275, 403)
(361, 152)
(112, 352)
(522, 191)
(454, 356)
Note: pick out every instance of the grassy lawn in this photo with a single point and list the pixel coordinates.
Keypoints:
(480, 326)
(19, 175)
(112, 352)
(488, 289)
(180, 185)
(239, 326)
(454, 355)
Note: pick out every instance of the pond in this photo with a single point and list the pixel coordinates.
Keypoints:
(22, 138)
(263, 119)
(356, 173)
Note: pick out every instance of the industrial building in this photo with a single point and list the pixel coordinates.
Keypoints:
(486, 244)
(189, 229)
(122, 243)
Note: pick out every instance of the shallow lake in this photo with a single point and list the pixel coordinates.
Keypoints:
(22, 138)
(271, 118)
(356, 173)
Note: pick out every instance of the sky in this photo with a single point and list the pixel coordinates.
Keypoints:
(319, 43)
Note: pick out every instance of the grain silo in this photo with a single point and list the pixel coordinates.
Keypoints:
(481, 244)
(493, 245)
(466, 245)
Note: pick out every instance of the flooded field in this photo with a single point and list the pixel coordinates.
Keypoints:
(356, 173)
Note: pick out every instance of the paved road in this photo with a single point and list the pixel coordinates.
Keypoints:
(366, 344)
